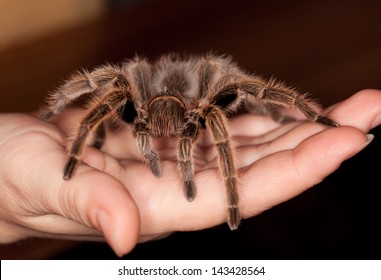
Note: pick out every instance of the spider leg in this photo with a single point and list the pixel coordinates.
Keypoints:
(96, 115)
(188, 136)
(291, 98)
(79, 84)
(273, 111)
(143, 139)
(279, 94)
(100, 136)
(276, 94)
(216, 123)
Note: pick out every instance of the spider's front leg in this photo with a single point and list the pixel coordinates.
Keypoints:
(187, 138)
(80, 84)
(99, 112)
(216, 123)
(143, 139)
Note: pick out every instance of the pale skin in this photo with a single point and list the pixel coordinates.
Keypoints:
(114, 196)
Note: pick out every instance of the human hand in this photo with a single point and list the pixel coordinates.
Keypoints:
(36, 201)
(277, 162)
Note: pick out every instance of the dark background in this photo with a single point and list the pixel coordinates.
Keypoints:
(331, 49)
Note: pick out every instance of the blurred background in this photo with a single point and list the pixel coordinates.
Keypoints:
(331, 49)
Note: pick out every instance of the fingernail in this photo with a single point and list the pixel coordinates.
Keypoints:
(369, 138)
(105, 225)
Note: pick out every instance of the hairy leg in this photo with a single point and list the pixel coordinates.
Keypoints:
(188, 137)
(79, 84)
(217, 125)
(143, 139)
(100, 111)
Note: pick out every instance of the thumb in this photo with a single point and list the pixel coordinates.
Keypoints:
(99, 201)
(90, 202)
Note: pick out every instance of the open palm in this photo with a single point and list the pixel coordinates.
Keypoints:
(276, 162)
(116, 194)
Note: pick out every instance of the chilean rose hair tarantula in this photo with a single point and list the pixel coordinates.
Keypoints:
(177, 97)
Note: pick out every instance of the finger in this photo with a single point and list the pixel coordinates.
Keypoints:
(102, 218)
(361, 110)
(121, 143)
(283, 175)
(69, 120)
(250, 150)
(245, 126)
(103, 203)
(252, 125)
(286, 140)
(89, 203)
(266, 137)
(248, 147)
(264, 184)
(102, 161)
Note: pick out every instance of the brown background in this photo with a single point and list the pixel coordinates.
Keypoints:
(331, 49)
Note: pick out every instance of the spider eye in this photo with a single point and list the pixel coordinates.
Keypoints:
(128, 112)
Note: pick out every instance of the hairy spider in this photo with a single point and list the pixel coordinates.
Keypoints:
(175, 97)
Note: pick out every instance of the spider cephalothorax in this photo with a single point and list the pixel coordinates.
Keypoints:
(175, 97)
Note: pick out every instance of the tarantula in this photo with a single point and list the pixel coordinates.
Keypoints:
(177, 97)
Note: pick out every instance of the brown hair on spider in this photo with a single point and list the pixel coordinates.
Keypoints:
(176, 97)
